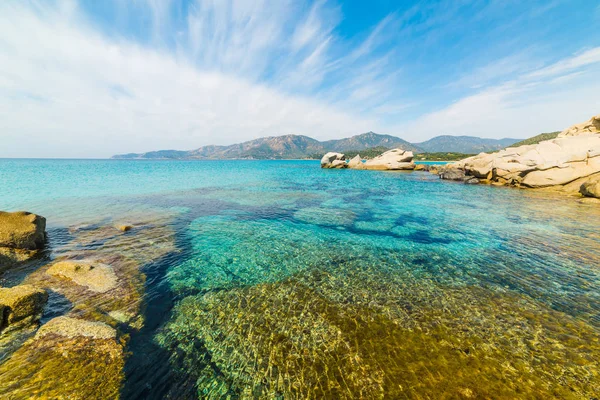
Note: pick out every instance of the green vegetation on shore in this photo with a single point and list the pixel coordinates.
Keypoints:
(536, 139)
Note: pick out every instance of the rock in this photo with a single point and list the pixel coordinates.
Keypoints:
(434, 169)
(333, 160)
(591, 188)
(124, 228)
(22, 234)
(72, 327)
(472, 181)
(21, 305)
(393, 160)
(421, 167)
(591, 126)
(452, 174)
(562, 163)
(95, 276)
(67, 359)
(22, 230)
(356, 163)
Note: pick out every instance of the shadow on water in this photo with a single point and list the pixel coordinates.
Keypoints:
(149, 372)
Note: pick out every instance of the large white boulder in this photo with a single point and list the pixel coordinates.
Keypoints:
(395, 159)
(333, 160)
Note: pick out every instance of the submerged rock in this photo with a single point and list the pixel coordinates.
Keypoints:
(393, 160)
(67, 359)
(333, 160)
(72, 327)
(95, 276)
(20, 306)
(591, 188)
(124, 228)
(22, 234)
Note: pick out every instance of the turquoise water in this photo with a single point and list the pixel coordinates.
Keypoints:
(277, 279)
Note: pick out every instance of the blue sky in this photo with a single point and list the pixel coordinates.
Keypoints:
(93, 78)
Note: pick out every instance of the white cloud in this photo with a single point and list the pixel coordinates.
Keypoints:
(67, 91)
(548, 99)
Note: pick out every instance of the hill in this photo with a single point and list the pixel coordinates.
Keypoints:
(464, 144)
(298, 146)
(369, 140)
(536, 139)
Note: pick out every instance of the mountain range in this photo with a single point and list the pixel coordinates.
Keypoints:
(299, 146)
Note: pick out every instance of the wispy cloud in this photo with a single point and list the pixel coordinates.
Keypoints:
(549, 98)
(97, 78)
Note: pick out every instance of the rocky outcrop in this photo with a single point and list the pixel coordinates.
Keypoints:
(591, 188)
(333, 160)
(97, 277)
(562, 162)
(356, 163)
(20, 306)
(68, 358)
(587, 127)
(392, 160)
(22, 234)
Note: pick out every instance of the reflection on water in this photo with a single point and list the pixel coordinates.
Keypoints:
(293, 282)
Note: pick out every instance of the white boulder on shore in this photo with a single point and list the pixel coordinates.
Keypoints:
(567, 162)
(391, 160)
(333, 160)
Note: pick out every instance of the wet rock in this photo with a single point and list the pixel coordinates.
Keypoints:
(20, 306)
(22, 234)
(471, 181)
(95, 276)
(393, 160)
(125, 228)
(333, 160)
(72, 327)
(591, 188)
(421, 167)
(67, 359)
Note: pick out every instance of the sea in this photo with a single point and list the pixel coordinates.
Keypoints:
(282, 280)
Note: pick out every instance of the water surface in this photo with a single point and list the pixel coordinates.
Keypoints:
(276, 279)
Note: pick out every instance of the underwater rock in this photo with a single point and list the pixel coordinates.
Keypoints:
(125, 228)
(393, 160)
(95, 276)
(22, 234)
(591, 188)
(72, 327)
(67, 359)
(333, 160)
(20, 306)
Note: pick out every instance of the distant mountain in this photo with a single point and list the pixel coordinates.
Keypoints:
(464, 144)
(369, 140)
(536, 139)
(298, 146)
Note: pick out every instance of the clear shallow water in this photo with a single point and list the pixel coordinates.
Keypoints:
(276, 279)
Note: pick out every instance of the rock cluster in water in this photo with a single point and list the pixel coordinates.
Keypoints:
(571, 163)
(391, 160)
(22, 235)
(80, 353)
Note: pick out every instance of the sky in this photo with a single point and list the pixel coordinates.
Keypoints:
(90, 79)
